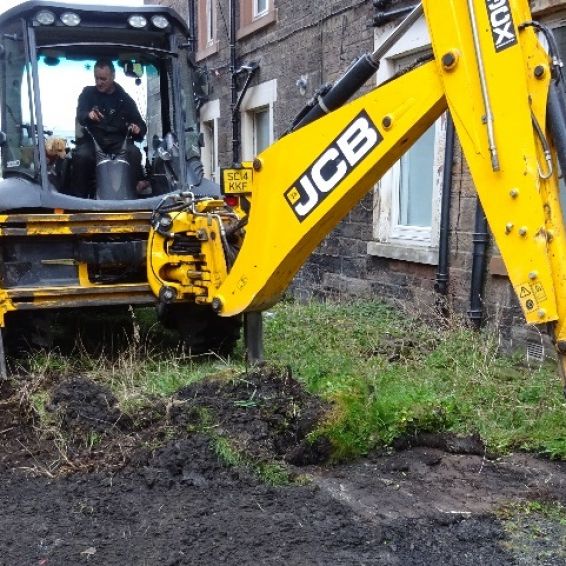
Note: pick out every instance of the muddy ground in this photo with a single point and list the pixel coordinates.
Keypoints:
(189, 480)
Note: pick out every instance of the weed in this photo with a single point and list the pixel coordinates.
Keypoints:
(92, 439)
(271, 473)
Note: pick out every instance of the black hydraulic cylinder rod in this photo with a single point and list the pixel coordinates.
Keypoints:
(362, 70)
(556, 119)
(384, 17)
(441, 284)
(479, 264)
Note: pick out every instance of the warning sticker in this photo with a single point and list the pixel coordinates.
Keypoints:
(539, 293)
(527, 297)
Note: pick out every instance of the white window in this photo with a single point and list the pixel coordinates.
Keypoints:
(260, 8)
(209, 115)
(407, 200)
(257, 118)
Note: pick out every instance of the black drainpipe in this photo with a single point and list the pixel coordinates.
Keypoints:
(479, 265)
(382, 16)
(253, 321)
(192, 25)
(441, 285)
(236, 141)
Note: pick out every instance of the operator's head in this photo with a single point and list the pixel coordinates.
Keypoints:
(104, 76)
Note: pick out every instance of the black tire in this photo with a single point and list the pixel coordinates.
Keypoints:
(200, 329)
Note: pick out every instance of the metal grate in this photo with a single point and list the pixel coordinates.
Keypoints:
(535, 352)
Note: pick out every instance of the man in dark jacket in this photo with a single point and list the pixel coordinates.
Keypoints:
(108, 113)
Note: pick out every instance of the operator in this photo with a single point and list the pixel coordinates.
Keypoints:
(109, 114)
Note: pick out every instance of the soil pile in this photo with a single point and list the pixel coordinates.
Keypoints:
(177, 483)
(85, 406)
(267, 414)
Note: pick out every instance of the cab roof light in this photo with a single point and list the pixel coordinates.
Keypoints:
(70, 19)
(45, 17)
(137, 21)
(159, 21)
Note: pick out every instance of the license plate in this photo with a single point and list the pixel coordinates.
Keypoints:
(237, 181)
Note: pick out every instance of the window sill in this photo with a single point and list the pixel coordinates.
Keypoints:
(404, 252)
(497, 267)
(257, 24)
(207, 51)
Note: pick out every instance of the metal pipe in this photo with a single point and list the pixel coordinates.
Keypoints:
(250, 71)
(192, 24)
(236, 139)
(3, 367)
(253, 321)
(40, 155)
(485, 94)
(556, 120)
(253, 336)
(479, 264)
(442, 277)
(397, 33)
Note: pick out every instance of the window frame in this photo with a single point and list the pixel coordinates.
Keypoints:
(210, 113)
(259, 13)
(391, 239)
(251, 20)
(256, 98)
(254, 114)
(207, 42)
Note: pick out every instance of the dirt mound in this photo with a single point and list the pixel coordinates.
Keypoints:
(83, 405)
(255, 418)
(190, 462)
(266, 413)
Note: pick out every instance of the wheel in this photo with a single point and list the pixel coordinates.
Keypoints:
(200, 329)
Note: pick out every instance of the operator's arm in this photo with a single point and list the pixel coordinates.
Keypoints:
(133, 117)
(84, 106)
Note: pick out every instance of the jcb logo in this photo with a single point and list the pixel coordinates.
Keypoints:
(333, 166)
(501, 21)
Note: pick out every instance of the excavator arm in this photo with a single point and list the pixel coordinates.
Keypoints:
(494, 76)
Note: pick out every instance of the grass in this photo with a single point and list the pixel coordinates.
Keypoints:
(386, 374)
(389, 375)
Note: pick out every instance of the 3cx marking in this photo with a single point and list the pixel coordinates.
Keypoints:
(336, 162)
(501, 21)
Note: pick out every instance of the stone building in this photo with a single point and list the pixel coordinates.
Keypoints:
(420, 239)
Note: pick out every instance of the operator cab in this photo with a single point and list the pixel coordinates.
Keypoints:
(47, 56)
